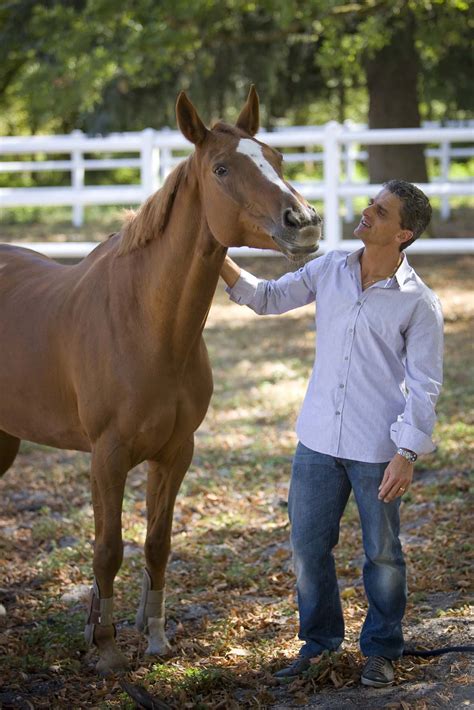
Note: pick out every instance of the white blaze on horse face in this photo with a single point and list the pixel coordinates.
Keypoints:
(254, 151)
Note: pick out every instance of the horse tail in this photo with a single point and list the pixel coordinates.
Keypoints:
(9, 446)
(438, 651)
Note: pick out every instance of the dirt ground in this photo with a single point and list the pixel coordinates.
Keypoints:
(231, 607)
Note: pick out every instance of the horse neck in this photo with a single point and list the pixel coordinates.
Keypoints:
(182, 268)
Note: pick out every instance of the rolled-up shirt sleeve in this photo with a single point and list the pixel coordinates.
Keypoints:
(423, 378)
(292, 290)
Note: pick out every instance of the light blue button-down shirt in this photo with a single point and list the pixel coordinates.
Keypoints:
(379, 355)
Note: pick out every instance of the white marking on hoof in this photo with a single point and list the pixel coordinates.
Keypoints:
(158, 644)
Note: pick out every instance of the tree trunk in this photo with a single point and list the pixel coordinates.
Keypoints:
(392, 82)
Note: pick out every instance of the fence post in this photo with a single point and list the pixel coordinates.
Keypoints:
(332, 158)
(77, 180)
(150, 159)
(166, 163)
(350, 153)
(445, 159)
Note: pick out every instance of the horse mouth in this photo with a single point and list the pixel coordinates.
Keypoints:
(301, 246)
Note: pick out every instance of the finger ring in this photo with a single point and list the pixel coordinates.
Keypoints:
(402, 489)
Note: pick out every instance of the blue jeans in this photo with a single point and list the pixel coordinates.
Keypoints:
(319, 491)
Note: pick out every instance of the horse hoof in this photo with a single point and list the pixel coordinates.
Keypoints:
(158, 644)
(158, 648)
(111, 662)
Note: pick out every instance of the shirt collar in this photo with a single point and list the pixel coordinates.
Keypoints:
(402, 274)
(404, 271)
(353, 258)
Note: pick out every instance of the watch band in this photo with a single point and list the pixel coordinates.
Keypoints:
(407, 454)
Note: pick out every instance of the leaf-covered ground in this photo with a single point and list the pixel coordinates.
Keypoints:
(231, 606)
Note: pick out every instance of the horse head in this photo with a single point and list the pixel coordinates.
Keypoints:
(247, 201)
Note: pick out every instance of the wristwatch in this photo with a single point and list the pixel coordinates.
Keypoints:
(407, 454)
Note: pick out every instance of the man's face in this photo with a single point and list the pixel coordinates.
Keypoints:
(380, 221)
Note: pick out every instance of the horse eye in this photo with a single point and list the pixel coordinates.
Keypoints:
(220, 171)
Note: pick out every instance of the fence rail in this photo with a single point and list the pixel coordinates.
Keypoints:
(159, 151)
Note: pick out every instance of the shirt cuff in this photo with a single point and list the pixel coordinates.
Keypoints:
(244, 290)
(406, 436)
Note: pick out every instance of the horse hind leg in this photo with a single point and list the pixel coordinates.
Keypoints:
(9, 446)
(164, 480)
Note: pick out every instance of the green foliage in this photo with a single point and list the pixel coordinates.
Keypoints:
(103, 66)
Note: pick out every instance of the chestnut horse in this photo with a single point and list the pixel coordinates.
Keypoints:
(107, 355)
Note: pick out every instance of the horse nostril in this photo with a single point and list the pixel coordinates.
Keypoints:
(291, 218)
(315, 218)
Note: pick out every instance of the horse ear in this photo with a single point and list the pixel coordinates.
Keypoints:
(249, 118)
(188, 119)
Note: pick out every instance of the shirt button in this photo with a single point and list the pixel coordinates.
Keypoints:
(338, 412)
(359, 303)
(341, 386)
(351, 330)
(347, 357)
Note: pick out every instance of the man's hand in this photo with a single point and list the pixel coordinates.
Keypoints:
(230, 272)
(396, 479)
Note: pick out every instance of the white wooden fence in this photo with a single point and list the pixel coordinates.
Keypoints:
(157, 155)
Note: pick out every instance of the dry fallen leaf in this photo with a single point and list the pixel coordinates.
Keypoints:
(238, 652)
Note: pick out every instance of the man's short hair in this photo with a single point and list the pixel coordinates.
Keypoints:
(415, 212)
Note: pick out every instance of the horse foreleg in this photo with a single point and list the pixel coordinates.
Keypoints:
(163, 484)
(110, 465)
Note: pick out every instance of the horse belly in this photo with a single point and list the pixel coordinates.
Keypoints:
(42, 415)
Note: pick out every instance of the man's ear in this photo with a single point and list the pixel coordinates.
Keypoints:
(249, 117)
(188, 119)
(404, 236)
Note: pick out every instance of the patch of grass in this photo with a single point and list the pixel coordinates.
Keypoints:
(196, 681)
(193, 682)
(55, 640)
(45, 528)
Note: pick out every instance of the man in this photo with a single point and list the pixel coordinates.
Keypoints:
(368, 413)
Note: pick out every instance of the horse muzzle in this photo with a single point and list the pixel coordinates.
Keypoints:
(299, 243)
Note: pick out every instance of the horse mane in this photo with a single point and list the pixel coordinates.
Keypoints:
(150, 220)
